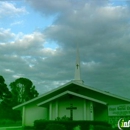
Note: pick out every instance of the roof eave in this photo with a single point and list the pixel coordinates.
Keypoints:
(72, 93)
(34, 99)
(68, 83)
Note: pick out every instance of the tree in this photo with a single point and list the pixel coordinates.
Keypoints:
(5, 94)
(6, 111)
(4, 91)
(22, 90)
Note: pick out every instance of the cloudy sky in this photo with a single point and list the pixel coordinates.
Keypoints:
(38, 41)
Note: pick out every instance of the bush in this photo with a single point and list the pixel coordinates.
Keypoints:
(7, 122)
(69, 125)
(28, 128)
(99, 127)
(55, 127)
(64, 118)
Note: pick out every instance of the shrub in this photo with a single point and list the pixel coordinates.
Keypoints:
(7, 122)
(64, 118)
(55, 127)
(77, 128)
(99, 127)
(28, 128)
(69, 125)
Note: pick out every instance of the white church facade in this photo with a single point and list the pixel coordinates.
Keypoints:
(73, 99)
(89, 104)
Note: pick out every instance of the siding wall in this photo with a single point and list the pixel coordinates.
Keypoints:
(58, 108)
(32, 113)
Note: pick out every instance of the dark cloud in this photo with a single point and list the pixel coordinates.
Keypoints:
(63, 6)
(102, 32)
(50, 7)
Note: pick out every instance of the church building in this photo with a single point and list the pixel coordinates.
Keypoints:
(73, 99)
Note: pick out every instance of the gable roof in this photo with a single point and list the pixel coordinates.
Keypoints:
(42, 95)
(69, 84)
(71, 93)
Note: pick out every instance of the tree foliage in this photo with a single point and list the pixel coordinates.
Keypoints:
(22, 90)
(5, 94)
(4, 91)
(6, 111)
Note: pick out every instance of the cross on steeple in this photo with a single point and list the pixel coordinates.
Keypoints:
(77, 66)
(71, 108)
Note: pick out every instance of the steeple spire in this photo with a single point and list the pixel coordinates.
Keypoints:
(77, 67)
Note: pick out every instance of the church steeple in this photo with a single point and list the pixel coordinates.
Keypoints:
(77, 77)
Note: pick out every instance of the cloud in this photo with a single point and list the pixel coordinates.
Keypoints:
(102, 32)
(17, 23)
(26, 56)
(5, 35)
(50, 7)
(9, 9)
(87, 26)
(36, 39)
(62, 6)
